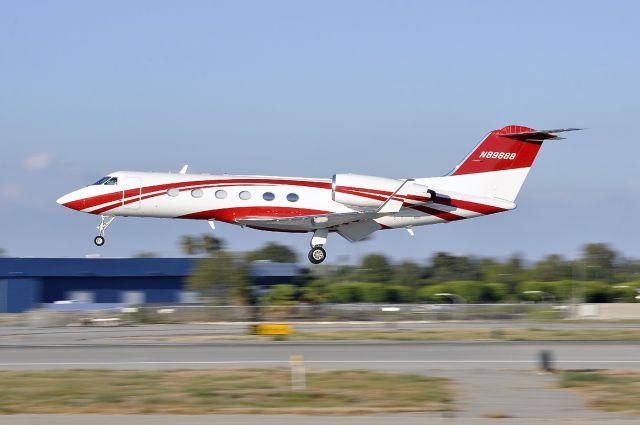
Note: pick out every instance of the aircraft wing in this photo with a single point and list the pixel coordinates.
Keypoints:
(354, 226)
(309, 222)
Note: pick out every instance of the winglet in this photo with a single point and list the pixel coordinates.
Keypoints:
(184, 169)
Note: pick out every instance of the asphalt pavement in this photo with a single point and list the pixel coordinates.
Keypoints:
(493, 379)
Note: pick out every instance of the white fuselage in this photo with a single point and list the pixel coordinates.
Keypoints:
(200, 196)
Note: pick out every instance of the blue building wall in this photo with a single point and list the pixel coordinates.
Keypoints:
(18, 295)
(110, 289)
(25, 283)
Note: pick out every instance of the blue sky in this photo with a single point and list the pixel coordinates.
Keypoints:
(398, 89)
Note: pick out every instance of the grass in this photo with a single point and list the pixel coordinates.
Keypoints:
(475, 334)
(613, 391)
(256, 391)
(506, 334)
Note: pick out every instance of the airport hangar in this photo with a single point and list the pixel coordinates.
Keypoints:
(28, 283)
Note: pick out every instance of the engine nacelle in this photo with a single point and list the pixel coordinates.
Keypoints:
(371, 191)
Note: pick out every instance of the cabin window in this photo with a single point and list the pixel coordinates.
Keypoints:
(244, 195)
(197, 193)
(173, 192)
(292, 197)
(221, 194)
(268, 196)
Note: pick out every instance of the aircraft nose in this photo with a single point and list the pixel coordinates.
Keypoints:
(71, 200)
(64, 199)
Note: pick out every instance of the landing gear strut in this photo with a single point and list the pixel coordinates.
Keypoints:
(317, 254)
(105, 221)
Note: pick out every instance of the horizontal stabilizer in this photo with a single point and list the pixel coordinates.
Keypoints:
(531, 135)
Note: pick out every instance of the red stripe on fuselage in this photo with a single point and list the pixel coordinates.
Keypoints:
(94, 201)
(468, 205)
(432, 211)
(231, 215)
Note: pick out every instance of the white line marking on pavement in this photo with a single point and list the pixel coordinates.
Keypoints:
(286, 362)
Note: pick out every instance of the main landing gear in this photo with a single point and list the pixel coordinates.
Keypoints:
(105, 221)
(317, 254)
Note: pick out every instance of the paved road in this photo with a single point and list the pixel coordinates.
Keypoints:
(496, 378)
(378, 356)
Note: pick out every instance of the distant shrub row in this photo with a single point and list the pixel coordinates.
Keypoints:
(470, 292)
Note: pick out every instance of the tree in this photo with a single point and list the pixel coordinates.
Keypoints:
(552, 268)
(188, 244)
(375, 268)
(198, 245)
(446, 267)
(275, 252)
(598, 260)
(408, 273)
(3, 253)
(222, 277)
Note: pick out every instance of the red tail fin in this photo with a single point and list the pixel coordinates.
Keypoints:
(498, 166)
(510, 147)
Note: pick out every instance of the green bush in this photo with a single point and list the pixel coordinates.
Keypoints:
(470, 291)
(493, 292)
(369, 292)
(373, 292)
(281, 295)
(428, 293)
(399, 294)
(597, 292)
(558, 290)
(346, 292)
(622, 294)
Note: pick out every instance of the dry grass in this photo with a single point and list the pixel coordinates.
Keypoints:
(256, 391)
(475, 334)
(529, 334)
(612, 390)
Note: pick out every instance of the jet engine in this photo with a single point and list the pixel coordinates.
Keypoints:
(370, 191)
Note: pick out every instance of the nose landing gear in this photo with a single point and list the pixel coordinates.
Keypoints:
(105, 221)
(317, 254)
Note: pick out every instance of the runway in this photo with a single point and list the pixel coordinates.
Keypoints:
(496, 376)
(396, 356)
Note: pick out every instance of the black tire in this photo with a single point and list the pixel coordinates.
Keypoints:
(317, 255)
(98, 240)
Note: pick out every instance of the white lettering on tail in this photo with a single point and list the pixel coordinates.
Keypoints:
(498, 155)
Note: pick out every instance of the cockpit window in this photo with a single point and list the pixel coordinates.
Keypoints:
(111, 181)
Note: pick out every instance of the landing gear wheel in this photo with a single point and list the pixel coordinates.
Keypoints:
(99, 240)
(317, 255)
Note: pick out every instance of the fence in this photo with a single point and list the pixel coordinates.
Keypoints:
(349, 312)
(293, 313)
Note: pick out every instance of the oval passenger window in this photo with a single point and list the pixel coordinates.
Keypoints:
(292, 197)
(268, 196)
(221, 194)
(173, 192)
